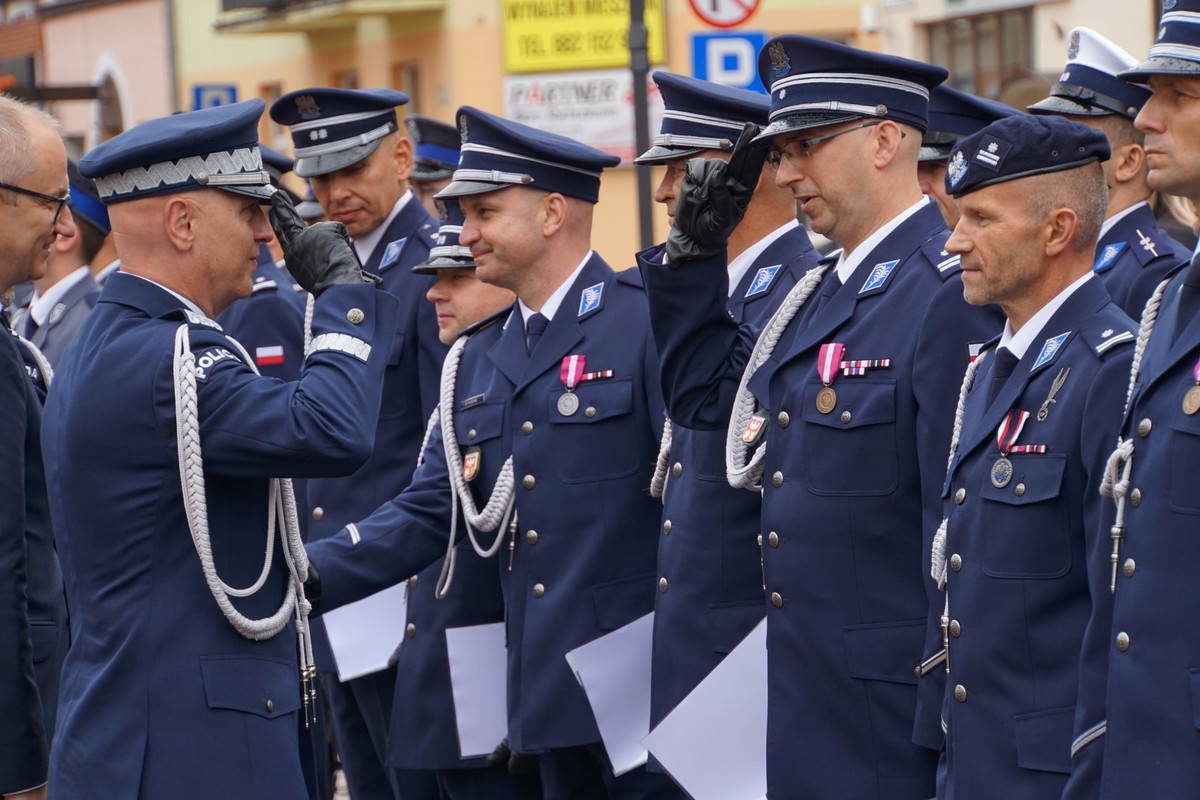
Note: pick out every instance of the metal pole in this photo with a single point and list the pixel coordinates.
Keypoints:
(639, 65)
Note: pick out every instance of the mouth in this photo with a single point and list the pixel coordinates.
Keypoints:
(805, 201)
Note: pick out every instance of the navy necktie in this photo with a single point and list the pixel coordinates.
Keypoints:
(535, 326)
(1003, 367)
(829, 286)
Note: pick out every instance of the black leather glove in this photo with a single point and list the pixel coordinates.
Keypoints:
(312, 588)
(318, 256)
(519, 764)
(714, 197)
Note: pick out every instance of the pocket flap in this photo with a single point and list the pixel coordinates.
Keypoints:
(598, 400)
(860, 402)
(479, 423)
(621, 602)
(1036, 477)
(885, 651)
(268, 687)
(1044, 739)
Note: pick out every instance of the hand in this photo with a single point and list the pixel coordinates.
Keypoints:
(318, 256)
(714, 197)
(519, 764)
(33, 794)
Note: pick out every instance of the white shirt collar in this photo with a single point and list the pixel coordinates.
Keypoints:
(365, 245)
(848, 262)
(550, 307)
(1019, 342)
(187, 303)
(741, 265)
(1117, 217)
(41, 306)
(108, 270)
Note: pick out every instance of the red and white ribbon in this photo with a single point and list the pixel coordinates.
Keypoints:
(829, 360)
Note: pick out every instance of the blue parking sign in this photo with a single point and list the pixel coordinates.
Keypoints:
(207, 95)
(729, 58)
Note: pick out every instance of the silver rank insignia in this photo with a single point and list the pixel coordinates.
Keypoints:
(1147, 244)
(957, 169)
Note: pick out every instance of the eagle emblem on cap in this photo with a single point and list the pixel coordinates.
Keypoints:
(414, 130)
(307, 106)
(1073, 46)
(779, 59)
(1168, 5)
(462, 126)
(957, 169)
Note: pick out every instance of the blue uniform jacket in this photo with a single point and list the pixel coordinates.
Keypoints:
(583, 555)
(270, 322)
(708, 552)
(847, 497)
(414, 365)
(161, 697)
(1150, 646)
(1134, 257)
(33, 614)
(66, 319)
(1022, 555)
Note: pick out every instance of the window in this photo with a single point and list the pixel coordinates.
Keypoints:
(984, 53)
(406, 78)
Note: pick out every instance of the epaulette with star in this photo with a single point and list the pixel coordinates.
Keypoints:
(1149, 244)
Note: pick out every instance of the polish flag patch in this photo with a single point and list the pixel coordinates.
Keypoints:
(268, 356)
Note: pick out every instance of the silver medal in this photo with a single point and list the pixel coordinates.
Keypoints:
(1002, 472)
(568, 404)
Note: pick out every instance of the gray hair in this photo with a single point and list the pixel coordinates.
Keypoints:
(18, 121)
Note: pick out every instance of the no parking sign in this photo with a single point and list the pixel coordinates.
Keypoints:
(724, 13)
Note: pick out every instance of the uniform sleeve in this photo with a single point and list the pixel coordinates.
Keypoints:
(323, 424)
(702, 351)
(271, 328)
(23, 746)
(398, 540)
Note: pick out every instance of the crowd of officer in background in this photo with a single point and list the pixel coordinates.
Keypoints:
(948, 455)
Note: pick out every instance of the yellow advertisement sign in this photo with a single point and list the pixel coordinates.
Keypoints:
(554, 35)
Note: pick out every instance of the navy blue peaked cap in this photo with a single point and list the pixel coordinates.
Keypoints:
(1021, 146)
(334, 128)
(701, 115)
(447, 253)
(498, 153)
(816, 82)
(275, 160)
(1176, 49)
(215, 148)
(953, 115)
(435, 147)
(85, 200)
(1089, 85)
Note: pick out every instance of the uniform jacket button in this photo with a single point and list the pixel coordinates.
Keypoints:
(960, 693)
(1135, 497)
(960, 496)
(784, 419)
(677, 469)
(526, 427)
(1129, 567)
(590, 411)
(845, 417)
(318, 513)
(773, 539)
(355, 316)
(411, 630)
(955, 627)
(528, 481)
(1019, 491)
(777, 599)
(413, 581)
(1122, 641)
(531, 536)
(538, 590)
(471, 434)
(956, 562)
(777, 479)
(1144, 427)
(667, 527)
(662, 585)
(270, 705)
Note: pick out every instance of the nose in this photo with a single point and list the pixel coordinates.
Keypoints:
(261, 227)
(470, 231)
(958, 243)
(437, 292)
(787, 173)
(666, 188)
(1148, 119)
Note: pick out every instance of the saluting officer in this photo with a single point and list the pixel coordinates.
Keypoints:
(1021, 539)
(550, 423)
(349, 145)
(852, 387)
(191, 666)
(952, 115)
(1138, 723)
(435, 155)
(710, 578)
(1133, 254)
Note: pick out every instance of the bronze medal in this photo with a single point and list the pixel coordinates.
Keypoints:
(1002, 472)
(1191, 400)
(568, 404)
(826, 400)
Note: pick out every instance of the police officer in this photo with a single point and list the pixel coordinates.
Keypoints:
(435, 155)
(1021, 539)
(65, 295)
(853, 398)
(180, 546)
(952, 115)
(553, 425)
(33, 614)
(1138, 726)
(349, 146)
(708, 557)
(1133, 254)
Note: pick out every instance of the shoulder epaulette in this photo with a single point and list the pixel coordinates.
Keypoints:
(263, 285)
(1106, 332)
(1149, 244)
(631, 277)
(486, 322)
(945, 262)
(192, 318)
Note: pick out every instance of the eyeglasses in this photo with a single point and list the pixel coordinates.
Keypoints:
(805, 146)
(60, 202)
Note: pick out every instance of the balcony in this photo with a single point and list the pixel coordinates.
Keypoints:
(310, 16)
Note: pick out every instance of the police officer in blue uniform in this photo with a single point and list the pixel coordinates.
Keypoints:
(853, 399)
(435, 155)
(553, 425)
(349, 146)
(1021, 540)
(33, 614)
(952, 115)
(1134, 254)
(710, 579)
(180, 545)
(1136, 730)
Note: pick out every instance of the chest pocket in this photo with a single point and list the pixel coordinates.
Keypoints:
(1185, 455)
(479, 423)
(1025, 531)
(851, 450)
(595, 442)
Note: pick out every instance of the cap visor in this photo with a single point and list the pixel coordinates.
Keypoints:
(935, 152)
(663, 155)
(1159, 65)
(309, 209)
(434, 264)
(1063, 105)
(260, 192)
(326, 163)
(803, 122)
(422, 172)
(461, 188)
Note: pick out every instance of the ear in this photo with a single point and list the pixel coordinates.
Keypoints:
(1061, 226)
(65, 244)
(180, 218)
(1129, 163)
(404, 159)
(887, 139)
(552, 213)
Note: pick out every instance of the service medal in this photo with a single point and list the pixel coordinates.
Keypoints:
(1191, 401)
(826, 400)
(829, 359)
(1002, 472)
(568, 403)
